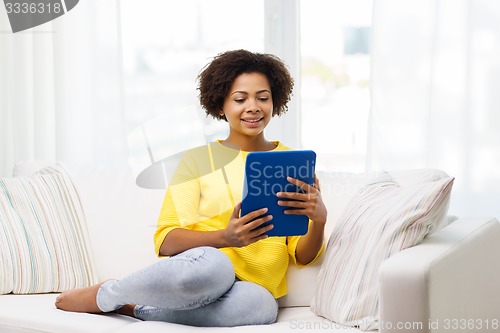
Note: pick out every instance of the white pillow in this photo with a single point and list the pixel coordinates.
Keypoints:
(43, 236)
(379, 221)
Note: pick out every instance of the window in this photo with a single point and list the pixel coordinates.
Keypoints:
(335, 73)
(325, 42)
(165, 46)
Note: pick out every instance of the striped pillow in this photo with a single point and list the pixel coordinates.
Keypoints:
(380, 220)
(43, 236)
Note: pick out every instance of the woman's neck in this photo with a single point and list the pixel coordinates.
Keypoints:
(249, 144)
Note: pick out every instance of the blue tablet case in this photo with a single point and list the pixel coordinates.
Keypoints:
(265, 175)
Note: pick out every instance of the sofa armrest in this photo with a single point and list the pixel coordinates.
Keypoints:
(449, 282)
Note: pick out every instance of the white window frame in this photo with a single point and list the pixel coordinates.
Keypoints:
(282, 38)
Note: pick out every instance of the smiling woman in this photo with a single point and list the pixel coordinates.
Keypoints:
(248, 109)
(225, 257)
(246, 90)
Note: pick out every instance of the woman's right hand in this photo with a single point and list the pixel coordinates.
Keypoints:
(244, 230)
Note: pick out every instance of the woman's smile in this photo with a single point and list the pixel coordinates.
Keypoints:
(253, 122)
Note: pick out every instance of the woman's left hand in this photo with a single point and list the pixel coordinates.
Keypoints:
(309, 203)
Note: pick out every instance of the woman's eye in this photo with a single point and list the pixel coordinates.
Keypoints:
(239, 100)
(263, 99)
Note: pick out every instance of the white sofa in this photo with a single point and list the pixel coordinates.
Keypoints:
(450, 282)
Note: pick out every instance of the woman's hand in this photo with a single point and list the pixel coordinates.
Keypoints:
(309, 203)
(241, 231)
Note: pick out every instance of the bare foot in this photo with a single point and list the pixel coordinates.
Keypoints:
(79, 300)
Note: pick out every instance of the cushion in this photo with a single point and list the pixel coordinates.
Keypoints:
(382, 219)
(43, 236)
(338, 188)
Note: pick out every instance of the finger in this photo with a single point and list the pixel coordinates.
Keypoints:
(291, 203)
(236, 210)
(253, 215)
(256, 223)
(296, 181)
(258, 238)
(259, 232)
(316, 183)
(303, 185)
(296, 211)
(293, 196)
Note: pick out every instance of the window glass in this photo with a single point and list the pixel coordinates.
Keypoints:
(165, 45)
(335, 73)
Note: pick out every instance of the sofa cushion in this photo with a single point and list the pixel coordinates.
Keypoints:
(37, 314)
(290, 320)
(43, 236)
(337, 189)
(382, 219)
(121, 217)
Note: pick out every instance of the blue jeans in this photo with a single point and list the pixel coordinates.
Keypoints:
(197, 287)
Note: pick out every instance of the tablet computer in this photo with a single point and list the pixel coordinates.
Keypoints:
(265, 175)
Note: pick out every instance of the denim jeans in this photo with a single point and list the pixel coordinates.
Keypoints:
(197, 287)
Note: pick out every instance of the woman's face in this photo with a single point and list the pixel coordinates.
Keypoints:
(249, 105)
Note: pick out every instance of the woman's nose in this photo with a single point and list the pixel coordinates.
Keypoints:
(253, 106)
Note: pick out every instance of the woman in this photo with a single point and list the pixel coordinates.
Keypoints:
(221, 269)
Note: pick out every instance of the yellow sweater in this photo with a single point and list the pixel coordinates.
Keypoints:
(201, 196)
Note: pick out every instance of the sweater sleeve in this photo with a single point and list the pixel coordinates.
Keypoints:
(180, 204)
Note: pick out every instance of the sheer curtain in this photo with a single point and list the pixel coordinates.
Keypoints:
(78, 88)
(435, 102)
(60, 89)
(435, 73)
